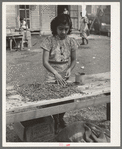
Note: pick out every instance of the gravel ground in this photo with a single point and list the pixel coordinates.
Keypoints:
(25, 67)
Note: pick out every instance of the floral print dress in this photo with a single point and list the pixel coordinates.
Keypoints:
(59, 54)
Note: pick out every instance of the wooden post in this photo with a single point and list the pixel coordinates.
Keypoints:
(28, 37)
(11, 44)
(108, 111)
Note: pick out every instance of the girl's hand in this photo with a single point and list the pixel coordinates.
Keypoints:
(59, 79)
(68, 73)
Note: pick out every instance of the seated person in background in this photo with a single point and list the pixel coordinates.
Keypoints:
(23, 25)
(23, 28)
(83, 132)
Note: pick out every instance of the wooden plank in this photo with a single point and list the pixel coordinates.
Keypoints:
(52, 101)
(23, 116)
(19, 129)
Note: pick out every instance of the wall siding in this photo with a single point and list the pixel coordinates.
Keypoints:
(48, 12)
(74, 16)
(35, 18)
(11, 15)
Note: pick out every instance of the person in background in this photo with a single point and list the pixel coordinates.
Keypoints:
(59, 56)
(83, 28)
(89, 24)
(81, 131)
(65, 11)
(23, 29)
(24, 25)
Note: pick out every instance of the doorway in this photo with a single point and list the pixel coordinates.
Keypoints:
(61, 8)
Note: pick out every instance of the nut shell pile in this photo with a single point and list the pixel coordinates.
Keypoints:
(46, 91)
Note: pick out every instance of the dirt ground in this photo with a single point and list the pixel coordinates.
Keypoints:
(25, 67)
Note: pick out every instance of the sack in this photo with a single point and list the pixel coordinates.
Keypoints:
(83, 132)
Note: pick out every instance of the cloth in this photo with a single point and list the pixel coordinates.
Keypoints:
(83, 132)
(59, 53)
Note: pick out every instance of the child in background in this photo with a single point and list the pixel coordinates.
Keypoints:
(59, 56)
(24, 25)
(84, 28)
(65, 11)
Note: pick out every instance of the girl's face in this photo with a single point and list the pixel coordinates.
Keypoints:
(62, 31)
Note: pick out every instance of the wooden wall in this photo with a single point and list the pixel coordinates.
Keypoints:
(11, 16)
(35, 18)
(74, 16)
(41, 16)
(48, 12)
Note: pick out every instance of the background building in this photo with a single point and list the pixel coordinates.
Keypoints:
(39, 16)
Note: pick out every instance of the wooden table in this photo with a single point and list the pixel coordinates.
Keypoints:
(96, 90)
(15, 36)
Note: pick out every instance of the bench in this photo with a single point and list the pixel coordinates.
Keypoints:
(16, 37)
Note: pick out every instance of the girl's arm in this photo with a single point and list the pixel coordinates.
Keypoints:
(46, 64)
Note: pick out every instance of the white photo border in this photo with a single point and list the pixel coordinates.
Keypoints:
(115, 77)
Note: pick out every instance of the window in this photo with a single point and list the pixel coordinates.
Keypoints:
(25, 13)
(88, 9)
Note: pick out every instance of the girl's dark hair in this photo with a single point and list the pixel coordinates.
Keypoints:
(58, 20)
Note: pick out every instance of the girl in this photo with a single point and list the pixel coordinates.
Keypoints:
(59, 56)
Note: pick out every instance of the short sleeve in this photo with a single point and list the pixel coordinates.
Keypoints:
(74, 44)
(46, 44)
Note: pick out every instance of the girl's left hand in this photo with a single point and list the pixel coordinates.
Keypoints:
(68, 73)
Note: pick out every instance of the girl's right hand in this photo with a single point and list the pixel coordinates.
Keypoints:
(59, 79)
